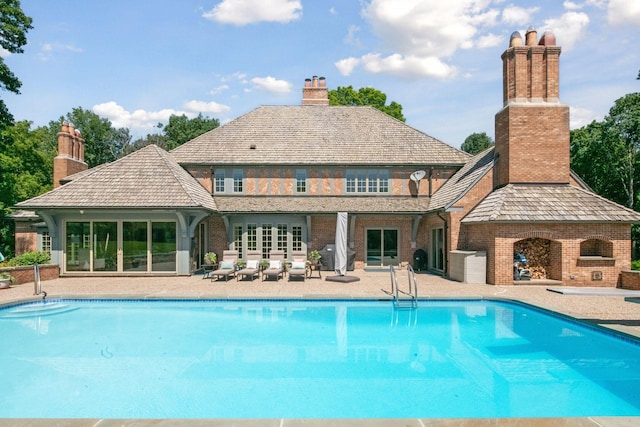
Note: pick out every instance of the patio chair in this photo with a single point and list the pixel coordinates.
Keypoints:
(298, 265)
(227, 267)
(253, 266)
(276, 265)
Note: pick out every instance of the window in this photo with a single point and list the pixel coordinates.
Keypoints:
(362, 181)
(351, 183)
(237, 239)
(301, 181)
(252, 237)
(45, 242)
(219, 181)
(238, 179)
(282, 239)
(163, 246)
(296, 238)
(266, 240)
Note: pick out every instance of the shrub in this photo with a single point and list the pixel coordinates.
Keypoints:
(635, 265)
(29, 258)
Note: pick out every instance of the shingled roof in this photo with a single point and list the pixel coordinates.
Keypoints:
(462, 181)
(321, 204)
(147, 178)
(317, 135)
(548, 203)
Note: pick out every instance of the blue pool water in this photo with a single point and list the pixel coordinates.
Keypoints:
(321, 359)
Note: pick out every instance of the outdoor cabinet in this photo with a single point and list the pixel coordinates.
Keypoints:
(468, 266)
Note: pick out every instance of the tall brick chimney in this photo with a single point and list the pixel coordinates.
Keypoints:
(315, 92)
(70, 158)
(532, 129)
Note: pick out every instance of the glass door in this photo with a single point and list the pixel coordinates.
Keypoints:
(437, 249)
(105, 246)
(382, 247)
(134, 246)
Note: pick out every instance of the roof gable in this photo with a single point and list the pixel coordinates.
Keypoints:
(463, 180)
(317, 135)
(149, 177)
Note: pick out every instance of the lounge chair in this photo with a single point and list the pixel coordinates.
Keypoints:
(298, 265)
(253, 266)
(227, 267)
(276, 265)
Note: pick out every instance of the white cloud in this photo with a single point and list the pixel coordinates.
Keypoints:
(217, 90)
(622, 12)
(580, 117)
(141, 120)
(243, 12)
(205, 107)
(271, 84)
(489, 40)
(47, 50)
(569, 28)
(408, 67)
(514, 15)
(569, 5)
(346, 66)
(418, 36)
(351, 37)
(4, 52)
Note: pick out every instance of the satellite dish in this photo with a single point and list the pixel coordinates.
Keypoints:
(417, 176)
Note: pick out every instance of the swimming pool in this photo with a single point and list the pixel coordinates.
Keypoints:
(299, 359)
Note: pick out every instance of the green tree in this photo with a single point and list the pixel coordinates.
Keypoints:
(365, 96)
(26, 168)
(476, 143)
(14, 25)
(181, 129)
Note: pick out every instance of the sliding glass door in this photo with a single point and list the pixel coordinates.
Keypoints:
(382, 247)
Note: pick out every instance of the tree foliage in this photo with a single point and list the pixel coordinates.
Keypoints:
(365, 96)
(606, 154)
(26, 168)
(179, 130)
(476, 143)
(14, 25)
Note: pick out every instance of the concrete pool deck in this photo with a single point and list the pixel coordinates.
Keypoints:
(615, 311)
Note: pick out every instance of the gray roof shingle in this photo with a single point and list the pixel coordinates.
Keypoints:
(317, 135)
(548, 203)
(146, 178)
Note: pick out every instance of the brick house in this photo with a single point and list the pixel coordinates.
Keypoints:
(276, 177)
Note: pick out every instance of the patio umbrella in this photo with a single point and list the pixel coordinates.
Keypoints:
(341, 244)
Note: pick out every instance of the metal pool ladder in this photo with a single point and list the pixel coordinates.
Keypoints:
(402, 299)
(37, 288)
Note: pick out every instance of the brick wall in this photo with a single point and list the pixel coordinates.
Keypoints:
(567, 265)
(24, 274)
(26, 237)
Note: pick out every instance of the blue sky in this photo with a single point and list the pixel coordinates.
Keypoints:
(137, 62)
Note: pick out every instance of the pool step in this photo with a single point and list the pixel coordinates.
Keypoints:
(31, 310)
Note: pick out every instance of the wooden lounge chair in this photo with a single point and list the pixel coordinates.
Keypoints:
(253, 266)
(298, 265)
(227, 266)
(276, 265)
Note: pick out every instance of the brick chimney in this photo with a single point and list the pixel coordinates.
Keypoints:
(315, 92)
(532, 129)
(70, 158)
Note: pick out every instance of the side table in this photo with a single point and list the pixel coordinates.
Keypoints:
(314, 267)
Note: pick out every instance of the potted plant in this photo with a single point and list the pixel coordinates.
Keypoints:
(264, 264)
(6, 280)
(210, 258)
(314, 256)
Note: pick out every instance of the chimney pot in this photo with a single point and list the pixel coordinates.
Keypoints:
(531, 37)
(548, 39)
(515, 40)
(315, 81)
